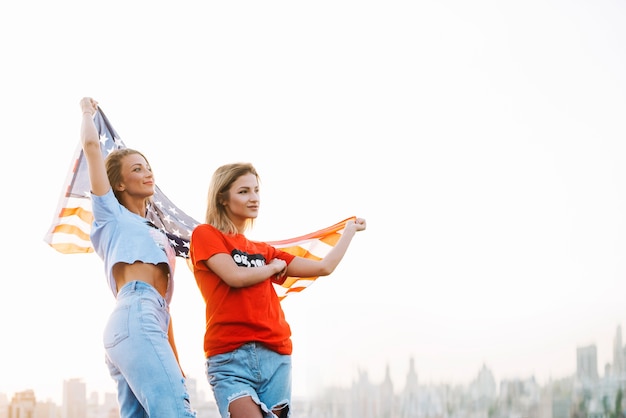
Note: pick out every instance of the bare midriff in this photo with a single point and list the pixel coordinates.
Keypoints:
(156, 275)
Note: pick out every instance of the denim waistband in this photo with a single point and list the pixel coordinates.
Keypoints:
(137, 285)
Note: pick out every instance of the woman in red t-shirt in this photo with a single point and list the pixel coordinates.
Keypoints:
(247, 343)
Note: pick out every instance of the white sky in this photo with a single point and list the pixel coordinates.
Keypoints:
(483, 142)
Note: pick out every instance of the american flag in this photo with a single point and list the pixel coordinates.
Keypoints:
(69, 233)
(71, 225)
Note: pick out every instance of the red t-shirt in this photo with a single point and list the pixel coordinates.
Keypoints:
(235, 316)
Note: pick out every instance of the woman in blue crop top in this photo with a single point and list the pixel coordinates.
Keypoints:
(139, 263)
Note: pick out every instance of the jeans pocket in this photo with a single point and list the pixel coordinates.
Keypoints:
(220, 359)
(117, 328)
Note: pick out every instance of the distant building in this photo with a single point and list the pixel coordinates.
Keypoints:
(587, 364)
(23, 405)
(364, 397)
(483, 389)
(46, 409)
(618, 353)
(409, 404)
(4, 405)
(74, 399)
(387, 396)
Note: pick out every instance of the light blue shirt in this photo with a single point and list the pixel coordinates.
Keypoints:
(120, 236)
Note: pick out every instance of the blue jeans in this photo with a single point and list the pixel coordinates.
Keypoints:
(251, 370)
(140, 358)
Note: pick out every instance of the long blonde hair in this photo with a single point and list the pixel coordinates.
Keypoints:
(221, 181)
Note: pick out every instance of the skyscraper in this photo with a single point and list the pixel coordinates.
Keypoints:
(74, 399)
(618, 353)
(587, 364)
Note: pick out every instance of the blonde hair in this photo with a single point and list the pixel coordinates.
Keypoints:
(221, 181)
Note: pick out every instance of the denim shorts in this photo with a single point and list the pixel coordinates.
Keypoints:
(251, 370)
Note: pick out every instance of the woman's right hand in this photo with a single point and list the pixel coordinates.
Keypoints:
(88, 105)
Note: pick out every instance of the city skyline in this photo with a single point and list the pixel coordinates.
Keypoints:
(590, 369)
(584, 394)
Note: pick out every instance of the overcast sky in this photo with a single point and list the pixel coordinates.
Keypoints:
(483, 142)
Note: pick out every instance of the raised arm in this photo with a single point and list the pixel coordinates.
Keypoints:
(91, 147)
(304, 267)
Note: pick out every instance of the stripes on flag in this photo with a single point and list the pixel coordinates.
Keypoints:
(313, 246)
(69, 232)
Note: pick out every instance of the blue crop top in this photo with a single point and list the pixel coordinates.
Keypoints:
(118, 235)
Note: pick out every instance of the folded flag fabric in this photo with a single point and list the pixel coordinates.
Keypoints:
(69, 232)
(315, 246)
